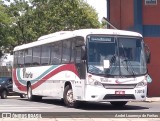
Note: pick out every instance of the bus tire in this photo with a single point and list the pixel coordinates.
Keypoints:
(68, 97)
(22, 95)
(29, 93)
(4, 94)
(32, 97)
(119, 103)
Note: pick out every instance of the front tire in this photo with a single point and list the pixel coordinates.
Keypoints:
(119, 104)
(4, 94)
(68, 97)
(22, 95)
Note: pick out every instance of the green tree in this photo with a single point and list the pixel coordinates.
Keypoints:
(5, 22)
(53, 15)
(34, 18)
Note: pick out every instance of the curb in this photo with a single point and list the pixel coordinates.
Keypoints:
(154, 99)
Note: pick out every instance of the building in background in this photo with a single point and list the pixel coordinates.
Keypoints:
(141, 16)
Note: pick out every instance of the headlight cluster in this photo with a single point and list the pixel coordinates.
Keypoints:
(142, 83)
(93, 82)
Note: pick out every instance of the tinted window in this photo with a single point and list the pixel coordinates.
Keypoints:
(78, 52)
(45, 55)
(21, 58)
(56, 53)
(15, 58)
(73, 51)
(36, 55)
(28, 56)
(66, 51)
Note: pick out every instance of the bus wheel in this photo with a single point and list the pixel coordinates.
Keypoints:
(29, 92)
(22, 95)
(68, 97)
(118, 104)
(32, 97)
(4, 94)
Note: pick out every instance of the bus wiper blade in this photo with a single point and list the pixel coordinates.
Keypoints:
(127, 61)
(130, 65)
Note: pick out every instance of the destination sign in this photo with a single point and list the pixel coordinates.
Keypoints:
(102, 39)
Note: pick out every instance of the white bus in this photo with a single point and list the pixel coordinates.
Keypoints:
(93, 65)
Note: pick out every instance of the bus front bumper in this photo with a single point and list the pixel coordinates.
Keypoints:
(100, 94)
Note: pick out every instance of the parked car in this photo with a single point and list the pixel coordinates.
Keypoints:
(6, 88)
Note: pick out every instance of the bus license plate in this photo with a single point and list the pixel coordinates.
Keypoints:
(119, 92)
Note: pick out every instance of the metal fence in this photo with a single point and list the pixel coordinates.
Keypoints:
(5, 71)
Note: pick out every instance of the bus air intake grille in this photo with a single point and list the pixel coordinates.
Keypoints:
(119, 86)
(114, 96)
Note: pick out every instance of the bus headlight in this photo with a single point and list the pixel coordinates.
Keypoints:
(94, 82)
(97, 83)
(142, 83)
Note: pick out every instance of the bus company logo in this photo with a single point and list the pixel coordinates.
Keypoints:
(117, 82)
(27, 74)
(120, 82)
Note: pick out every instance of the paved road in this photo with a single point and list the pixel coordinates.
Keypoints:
(50, 105)
(87, 111)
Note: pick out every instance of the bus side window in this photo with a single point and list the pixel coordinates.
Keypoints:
(66, 51)
(78, 50)
(45, 55)
(78, 54)
(56, 53)
(73, 49)
(15, 59)
(28, 57)
(21, 58)
(36, 55)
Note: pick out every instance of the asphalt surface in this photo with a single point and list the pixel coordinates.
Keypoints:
(56, 111)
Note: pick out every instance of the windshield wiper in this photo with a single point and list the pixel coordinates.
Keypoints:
(127, 62)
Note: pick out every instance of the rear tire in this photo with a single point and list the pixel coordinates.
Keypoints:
(4, 94)
(32, 97)
(68, 97)
(29, 93)
(119, 104)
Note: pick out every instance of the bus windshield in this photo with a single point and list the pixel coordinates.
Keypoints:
(125, 56)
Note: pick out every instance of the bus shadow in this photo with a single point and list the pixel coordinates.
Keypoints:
(48, 101)
(93, 106)
(108, 106)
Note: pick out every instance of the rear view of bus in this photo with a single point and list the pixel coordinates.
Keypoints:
(116, 68)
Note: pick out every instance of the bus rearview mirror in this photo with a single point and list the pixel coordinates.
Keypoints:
(148, 56)
(148, 53)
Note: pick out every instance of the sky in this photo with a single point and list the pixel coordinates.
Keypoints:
(100, 6)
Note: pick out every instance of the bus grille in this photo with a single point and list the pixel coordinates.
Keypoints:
(113, 96)
(119, 86)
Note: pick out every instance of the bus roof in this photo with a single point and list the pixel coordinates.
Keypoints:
(62, 35)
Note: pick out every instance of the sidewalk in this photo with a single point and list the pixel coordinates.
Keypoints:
(153, 99)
